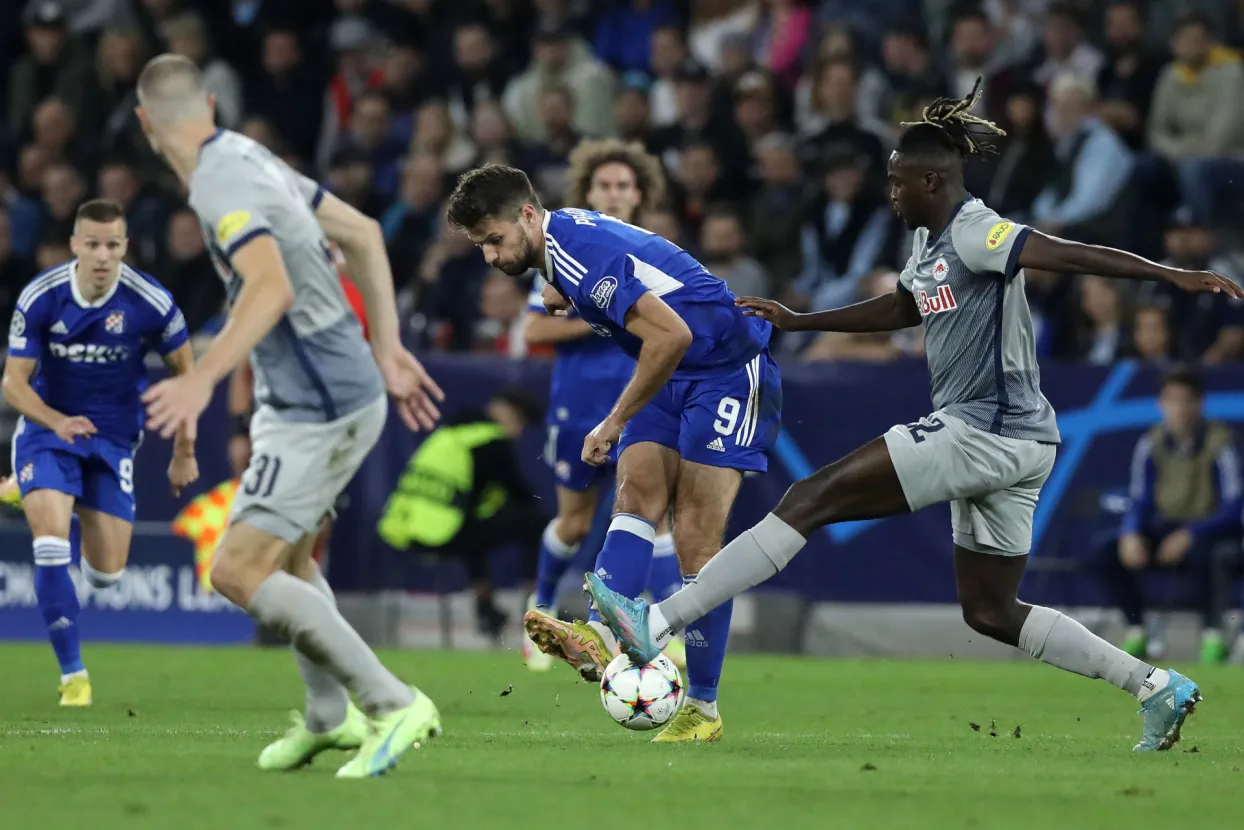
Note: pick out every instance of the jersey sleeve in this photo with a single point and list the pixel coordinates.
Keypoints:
(311, 189)
(173, 334)
(614, 291)
(535, 300)
(26, 328)
(236, 215)
(987, 243)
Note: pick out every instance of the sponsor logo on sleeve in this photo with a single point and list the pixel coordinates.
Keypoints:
(997, 234)
(231, 224)
(602, 294)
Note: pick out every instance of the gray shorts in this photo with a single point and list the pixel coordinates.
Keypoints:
(991, 482)
(297, 470)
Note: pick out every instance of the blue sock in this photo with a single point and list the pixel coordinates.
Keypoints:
(664, 578)
(58, 600)
(555, 558)
(706, 650)
(626, 558)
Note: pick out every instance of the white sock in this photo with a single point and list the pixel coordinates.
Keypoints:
(663, 545)
(709, 708)
(611, 642)
(1154, 683)
(64, 678)
(658, 628)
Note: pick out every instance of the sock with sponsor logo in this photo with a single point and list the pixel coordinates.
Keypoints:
(664, 578)
(626, 558)
(1054, 638)
(555, 558)
(58, 601)
(706, 651)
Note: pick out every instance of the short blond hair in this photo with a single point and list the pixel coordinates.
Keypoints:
(171, 89)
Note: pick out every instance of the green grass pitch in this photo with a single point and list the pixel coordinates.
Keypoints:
(172, 739)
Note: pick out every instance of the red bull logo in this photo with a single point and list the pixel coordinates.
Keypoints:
(941, 300)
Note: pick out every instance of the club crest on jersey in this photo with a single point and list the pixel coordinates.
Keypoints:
(942, 300)
(603, 292)
(941, 269)
(603, 331)
(997, 234)
(27, 473)
(115, 322)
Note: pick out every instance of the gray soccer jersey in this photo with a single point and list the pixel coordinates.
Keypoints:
(315, 365)
(978, 329)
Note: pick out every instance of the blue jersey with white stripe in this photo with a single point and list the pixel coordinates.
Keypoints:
(588, 375)
(92, 355)
(603, 266)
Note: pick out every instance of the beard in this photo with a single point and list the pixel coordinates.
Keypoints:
(524, 262)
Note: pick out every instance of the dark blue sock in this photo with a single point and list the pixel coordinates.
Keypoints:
(58, 600)
(626, 558)
(555, 558)
(664, 578)
(706, 650)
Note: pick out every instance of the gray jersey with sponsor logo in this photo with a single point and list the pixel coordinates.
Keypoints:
(978, 330)
(315, 365)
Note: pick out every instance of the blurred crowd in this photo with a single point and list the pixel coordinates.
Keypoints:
(773, 120)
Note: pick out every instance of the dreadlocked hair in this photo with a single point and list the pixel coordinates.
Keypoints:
(950, 122)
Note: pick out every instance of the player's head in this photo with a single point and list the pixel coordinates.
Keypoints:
(1180, 400)
(99, 243)
(926, 171)
(614, 177)
(498, 210)
(172, 97)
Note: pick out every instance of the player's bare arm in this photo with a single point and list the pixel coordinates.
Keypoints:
(183, 468)
(265, 297)
(1049, 253)
(22, 397)
(362, 242)
(886, 313)
(540, 329)
(666, 338)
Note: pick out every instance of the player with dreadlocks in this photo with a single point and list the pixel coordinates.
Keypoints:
(987, 449)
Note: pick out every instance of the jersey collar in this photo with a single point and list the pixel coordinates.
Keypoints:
(549, 274)
(77, 292)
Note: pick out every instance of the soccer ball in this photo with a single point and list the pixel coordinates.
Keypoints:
(641, 697)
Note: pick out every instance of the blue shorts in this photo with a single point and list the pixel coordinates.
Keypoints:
(98, 473)
(563, 452)
(731, 420)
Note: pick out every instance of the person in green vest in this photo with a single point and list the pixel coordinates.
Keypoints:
(462, 495)
(1184, 514)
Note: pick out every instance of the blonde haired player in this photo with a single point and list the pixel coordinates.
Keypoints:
(321, 391)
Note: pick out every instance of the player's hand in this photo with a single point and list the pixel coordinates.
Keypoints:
(1174, 548)
(600, 441)
(1207, 282)
(183, 471)
(239, 454)
(774, 312)
(1133, 552)
(177, 402)
(74, 426)
(412, 388)
(554, 302)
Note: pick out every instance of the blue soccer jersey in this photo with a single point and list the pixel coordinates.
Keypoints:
(722, 406)
(92, 363)
(589, 374)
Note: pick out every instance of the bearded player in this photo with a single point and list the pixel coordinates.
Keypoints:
(987, 449)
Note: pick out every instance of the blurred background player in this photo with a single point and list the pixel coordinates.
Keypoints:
(589, 374)
(322, 407)
(988, 448)
(462, 494)
(703, 406)
(76, 369)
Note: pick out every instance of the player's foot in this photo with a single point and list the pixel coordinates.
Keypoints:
(1213, 649)
(1136, 645)
(627, 618)
(1166, 711)
(577, 643)
(536, 659)
(676, 651)
(391, 735)
(76, 691)
(691, 725)
(299, 746)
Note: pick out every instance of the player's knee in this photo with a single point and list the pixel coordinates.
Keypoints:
(640, 497)
(807, 505)
(572, 527)
(234, 576)
(996, 620)
(98, 578)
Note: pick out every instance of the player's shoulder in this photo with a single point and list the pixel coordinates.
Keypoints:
(144, 290)
(975, 216)
(45, 286)
(226, 154)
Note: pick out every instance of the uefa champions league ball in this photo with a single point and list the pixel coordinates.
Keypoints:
(641, 697)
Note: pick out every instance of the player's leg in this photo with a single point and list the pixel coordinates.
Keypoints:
(560, 543)
(105, 546)
(665, 575)
(330, 720)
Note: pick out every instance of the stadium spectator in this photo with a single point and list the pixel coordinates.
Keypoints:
(1025, 163)
(410, 223)
(1126, 81)
(777, 210)
(57, 63)
(120, 57)
(285, 91)
(664, 223)
(187, 35)
(1151, 334)
(1184, 514)
(1092, 171)
(354, 42)
(781, 32)
(186, 270)
(836, 44)
(911, 75)
(502, 309)
(438, 135)
(146, 208)
(838, 127)
(625, 31)
(1102, 333)
(698, 184)
(755, 107)
(668, 53)
(722, 251)
(405, 85)
(632, 109)
(369, 133)
(493, 139)
(878, 347)
(15, 270)
(1066, 50)
(698, 122)
(477, 74)
(1197, 120)
(547, 160)
(979, 49)
(561, 61)
(62, 191)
